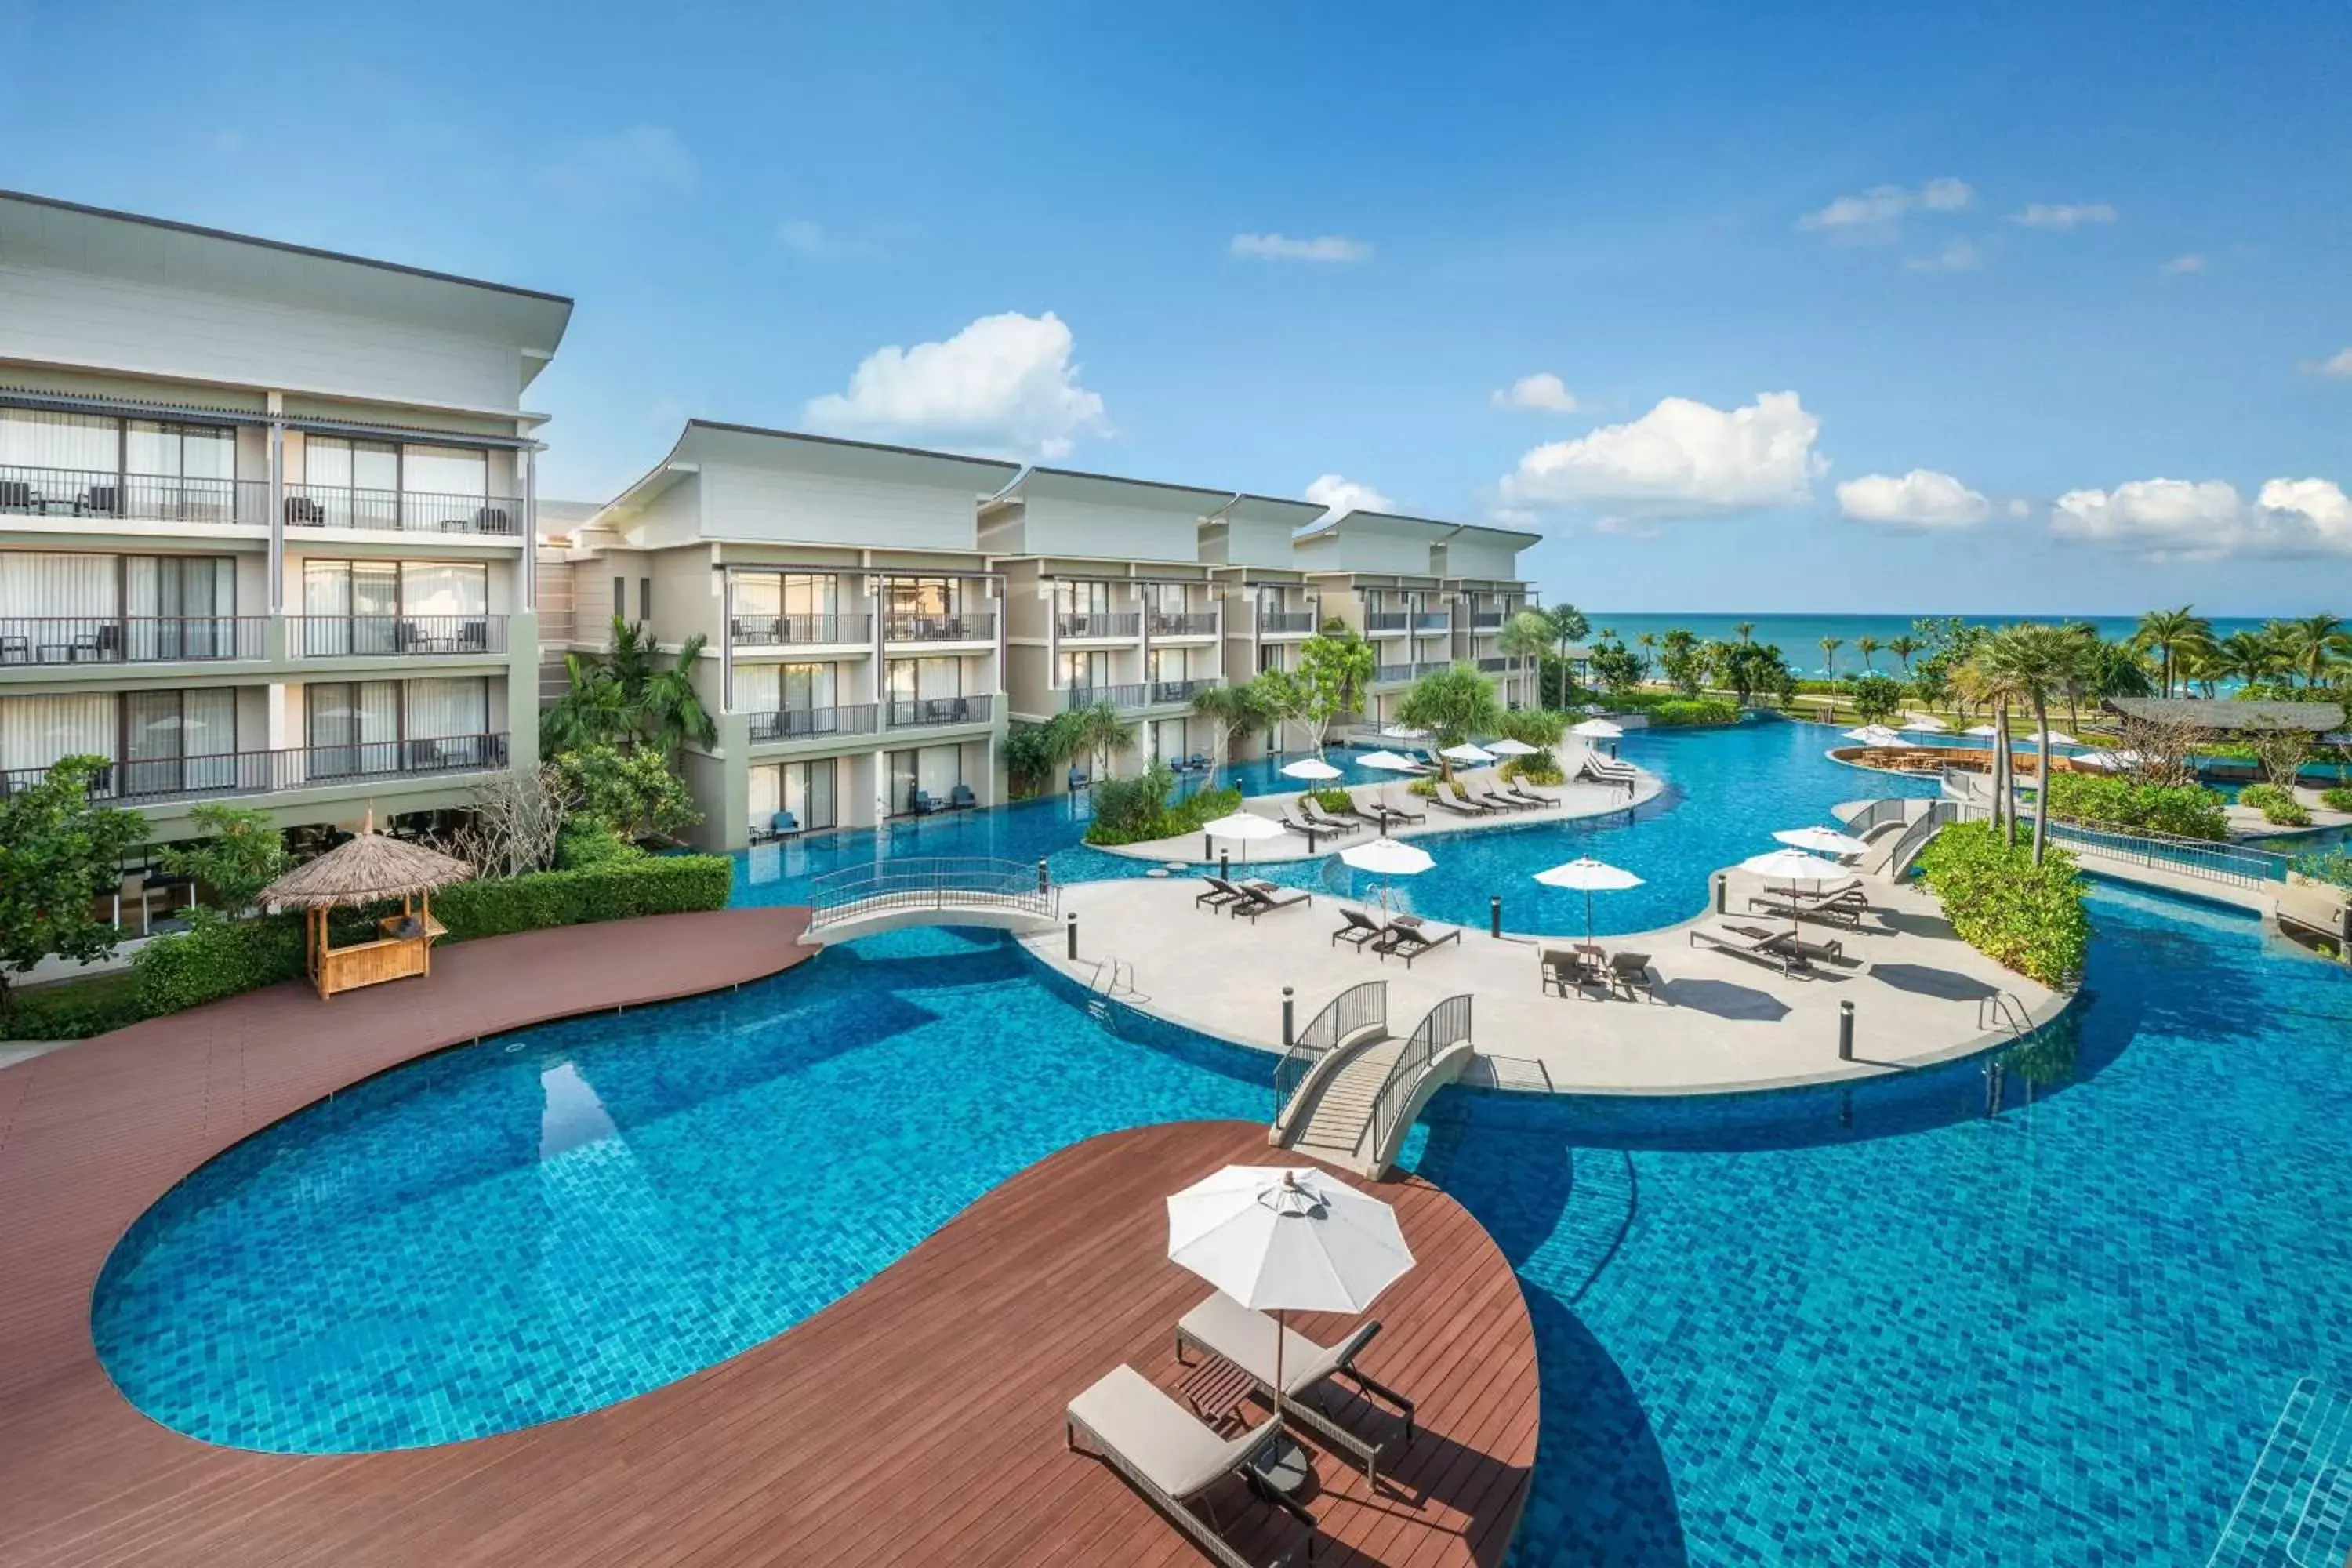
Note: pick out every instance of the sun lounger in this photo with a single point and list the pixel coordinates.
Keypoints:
(1408, 938)
(1360, 929)
(1518, 789)
(1496, 801)
(1170, 1458)
(1383, 812)
(1842, 911)
(1630, 972)
(1309, 831)
(1336, 827)
(1563, 967)
(1224, 1328)
(1264, 897)
(1220, 893)
(1777, 948)
(1448, 798)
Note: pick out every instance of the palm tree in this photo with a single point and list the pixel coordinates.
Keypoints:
(670, 709)
(1745, 631)
(1568, 625)
(1981, 686)
(1828, 655)
(2248, 657)
(2035, 661)
(1099, 731)
(625, 695)
(1902, 647)
(2171, 633)
(2314, 644)
(1868, 649)
(1229, 711)
(1525, 638)
(1453, 705)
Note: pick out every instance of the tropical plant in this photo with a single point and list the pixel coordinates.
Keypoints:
(1033, 753)
(512, 822)
(1983, 686)
(632, 793)
(1878, 698)
(1336, 670)
(1745, 631)
(1100, 734)
(2169, 635)
(1569, 625)
(670, 709)
(2025, 913)
(2282, 753)
(2277, 804)
(626, 695)
(2186, 811)
(1538, 727)
(1748, 667)
(2250, 656)
(2313, 645)
(1902, 647)
(2034, 661)
(1868, 649)
(1681, 663)
(2336, 797)
(60, 855)
(1617, 667)
(593, 711)
(2333, 866)
(1526, 637)
(241, 853)
(1280, 698)
(1230, 711)
(1453, 705)
(1829, 646)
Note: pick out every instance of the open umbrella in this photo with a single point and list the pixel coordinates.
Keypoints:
(1388, 857)
(1311, 768)
(1507, 747)
(1287, 1240)
(2056, 737)
(1981, 732)
(1466, 753)
(1795, 868)
(1925, 724)
(1597, 730)
(1820, 840)
(1403, 733)
(1387, 761)
(1588, 876)
(1875, 735)
(1246, 827)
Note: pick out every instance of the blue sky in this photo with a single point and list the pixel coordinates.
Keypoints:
(2046, 262)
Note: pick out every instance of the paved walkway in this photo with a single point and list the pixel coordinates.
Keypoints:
(1721, 1022)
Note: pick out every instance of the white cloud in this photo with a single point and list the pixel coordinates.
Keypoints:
(1683, 458)
(2337, 363)
(1877, 214)
(1280, 247)
(2063, 215)
(1542, 392)
(1921, 498)
(807, 237)
(605, 171)
(1004, 384)
(2181, 520)
(2020, 509)
(2181, 264)
(1953, 256)
(1338, 496)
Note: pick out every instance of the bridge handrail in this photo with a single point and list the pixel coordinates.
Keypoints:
(1360, 1006)
(932, 882)
(2240, 865)
(1877, 814)
(1937, 816)
(1446, 1023)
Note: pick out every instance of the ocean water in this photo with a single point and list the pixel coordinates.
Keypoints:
(1799, 637)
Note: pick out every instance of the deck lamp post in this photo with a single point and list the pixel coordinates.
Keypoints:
(1495, 915)
(1072, 927)
(1845, 1031)
(1288, 1027)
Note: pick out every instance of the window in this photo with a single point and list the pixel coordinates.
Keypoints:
(177, 740)
(620, 597)
(909, 680)
(923, 595)
(391, 726)
(445, 471)
(179, 451)
(1076, 598)
(1269, 656)
(1086, 669)
(807, 790)
(37, 585)
(1167, 664)
(34, 731)
(645, 600)
(83, 443)
(934, 770)
(177, 606)
(338, 463)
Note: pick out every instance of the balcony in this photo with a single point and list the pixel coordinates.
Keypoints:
(1125, 625)
(912, 713)
(1486, 620)
(1285, 623)
(1495, 664)
(1414, 672)
(1429, 621)
(811, 723)
(1179, 690)
(901, 628)
(402, 512)
(128, 640)
(1379, 621)
(1190, 624)
(1125, 698)
(132, 498)
(783, 631)
(394, 637)
(153, 781)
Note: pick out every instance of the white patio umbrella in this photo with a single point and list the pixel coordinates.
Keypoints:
(1466, 753)
(1588, 876)
(1597, 730)
(1387, 761)
(1981, 732)
(1404, 733)
(1287, 1240)
(1387, 858)
(2056, 737)
(1246, 827)
(1925, 724)
(2108, 761)
(1314, 768)
(1795, 868)
(1820, 840)
(1875, 735)
(1507, 747)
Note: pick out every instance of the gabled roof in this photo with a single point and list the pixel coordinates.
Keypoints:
(1113, 490)
(2229, 715)
(707, 439)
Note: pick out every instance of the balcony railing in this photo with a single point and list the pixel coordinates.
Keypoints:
(1413, 671)
(152, 779)
(1492, 663)
(136, 497)
(128, 640)
(901, 628)
(1191, 624)
(1179, 690)
(1486, 620)
(389, 637)
(915, 712)
(1281, 622)
(1433, 621)
(1076, 699)
(1124, 624)
(777, 631)
(1387, 621)
(405, 512)
(805, 723)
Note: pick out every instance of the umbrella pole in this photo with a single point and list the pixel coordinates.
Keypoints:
(1280, 1334)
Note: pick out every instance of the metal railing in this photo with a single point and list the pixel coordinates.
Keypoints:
(367, 636)
(1427, 621)
(908, 713)
(128, 640)
(1191, 624)
(137, 498)
(151, 780)
(1940, 814)
(1282, 622)
(801, 724)
(778, 631)
(1359, 1007)
(1077, 699)
(1180, 690)
(405, 512)
(942, 883)
(2236, 864)
(1387, 621)
(896, 627)
(1124, 623)
(1878, 814)
(1444, 1024)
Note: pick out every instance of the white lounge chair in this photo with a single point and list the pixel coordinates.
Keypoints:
(1224, 1328)
(1170, 1458)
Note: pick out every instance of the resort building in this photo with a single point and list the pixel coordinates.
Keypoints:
(1270, 609)
(853, 624)
(1424, 594)
(265, 513)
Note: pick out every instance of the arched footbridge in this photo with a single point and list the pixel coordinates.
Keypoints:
(1347, 1091)
(859, 900)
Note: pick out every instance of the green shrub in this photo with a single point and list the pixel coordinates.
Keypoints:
(1533, 726)
(2333, 866)
(2027, 917)
(2278, 805)
(1334, 800)
(2338, 798)
(2188, 811)
(1542, 768)
(73, 1009)
(1677, 712)
(651, 885)
(1136, 810)
(583, 843)
(1425, 788)
(218, 958)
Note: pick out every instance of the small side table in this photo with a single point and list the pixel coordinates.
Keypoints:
(1281, 1468)
(1215, 1389)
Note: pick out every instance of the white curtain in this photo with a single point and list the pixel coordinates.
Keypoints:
(40, 583)
(809, 792)
(767, 793)
(33, 438)
(938, 678)
(37, 730)
(758, 689)
(440, 709)
(444, 588)
(759, 594)
(811, 596)
(809, 686)
(179, 451)
(903, 777)
(939, 769)
(444, 472)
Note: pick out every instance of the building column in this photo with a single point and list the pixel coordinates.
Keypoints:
(277, 509)
(530, 529)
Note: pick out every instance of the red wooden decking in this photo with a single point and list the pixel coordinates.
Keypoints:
(917, 1420)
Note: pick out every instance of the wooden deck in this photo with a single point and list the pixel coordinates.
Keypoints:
(917, 1420)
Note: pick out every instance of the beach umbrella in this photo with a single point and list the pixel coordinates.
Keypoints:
(1875, 735)
(1795, 868)
(1597, 730)
(1466, 753)
(1981, 732)
(1925, 724)
(1507, 747)
(2056, 737)
(1387, 761)
(1403, 733)
(1820, 840)
(1389, 858)
(1314, 768)
(2108, 761)
(1246, 827)
(1285, 1240)
(1588, 876)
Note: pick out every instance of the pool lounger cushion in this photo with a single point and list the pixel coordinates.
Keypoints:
(1169, 1457)
(1243, 1336)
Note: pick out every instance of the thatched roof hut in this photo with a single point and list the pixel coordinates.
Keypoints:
(369, 869)
(2230, 716)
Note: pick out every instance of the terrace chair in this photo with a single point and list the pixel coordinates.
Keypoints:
(960, 798)
(18, 495)
(1355, 812)
(1077, 781)
(1449, 798)
(1518, 789)
(921, 803)
(1494, 801)
(1197, 762)
(1382, 812)
(1409, 937)
(15, 650)
(1220, 893)
(1757, 943)
(1839, 911)
(1630, 972)
(1172, 1459)
(780, 825)
(1307, 830)
(1242, 1337)
(1360, 929)
(1337, 828)
(1264, 897)
(1563, 967)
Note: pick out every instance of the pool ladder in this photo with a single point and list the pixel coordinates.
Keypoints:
(1111, 976)
(2004, 1011)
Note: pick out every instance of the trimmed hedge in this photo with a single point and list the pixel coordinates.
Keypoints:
(624, 889)
(2278, 806)
(1681, 712)
(2027, 917)
(2187, 811)
(1541, 768)
(216, 958)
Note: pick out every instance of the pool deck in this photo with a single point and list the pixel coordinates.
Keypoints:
(1721, 1022)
